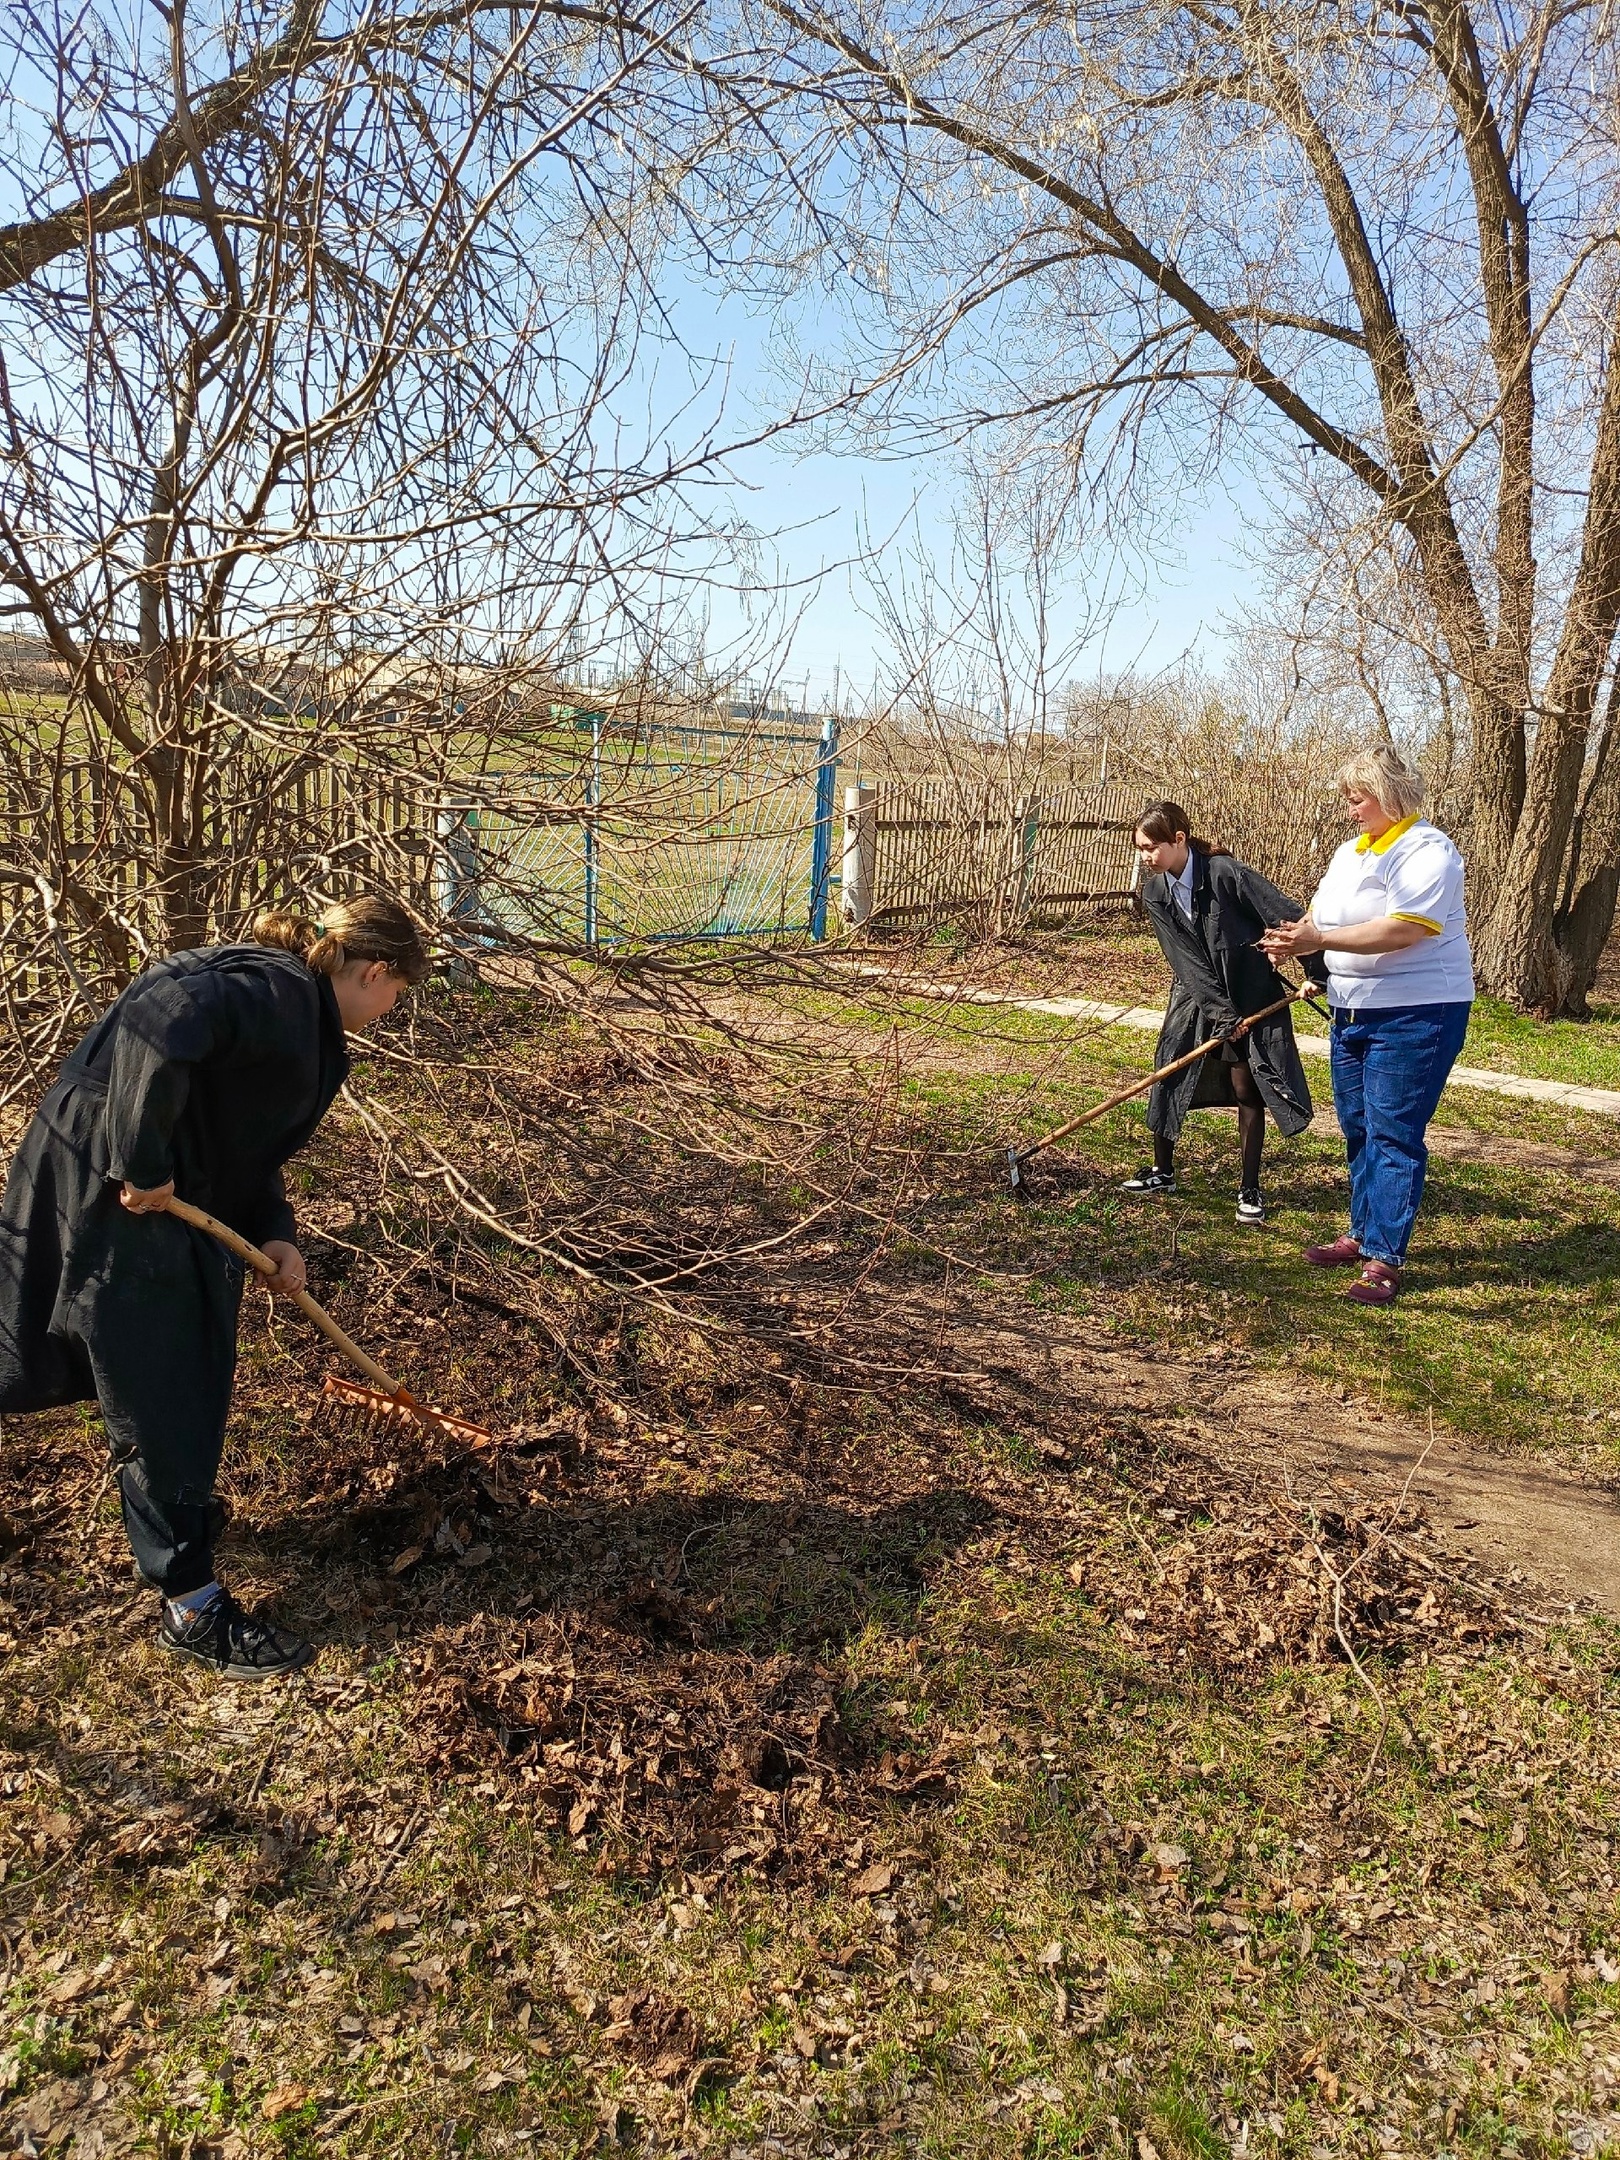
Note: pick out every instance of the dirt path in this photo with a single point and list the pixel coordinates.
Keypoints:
(1548, 1523)
(1557, 1531)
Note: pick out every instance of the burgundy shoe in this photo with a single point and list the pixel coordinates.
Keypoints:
(1377, 1284)
(1343, 1252)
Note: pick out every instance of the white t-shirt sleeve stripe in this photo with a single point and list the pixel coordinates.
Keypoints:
(1420, 881)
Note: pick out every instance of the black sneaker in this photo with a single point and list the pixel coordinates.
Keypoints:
(1150, 1181)
(236, 1644)
(1251, 1207)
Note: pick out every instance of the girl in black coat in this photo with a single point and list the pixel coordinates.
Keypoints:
(1209, 912)
(207, 1074)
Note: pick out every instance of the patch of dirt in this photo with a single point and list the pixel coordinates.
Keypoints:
(1502, 1151)
(1547, 1523)
(1542, 1523)
(1459, 1143)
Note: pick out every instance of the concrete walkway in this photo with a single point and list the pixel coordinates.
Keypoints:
(1598, 1102)
(1603, 1102)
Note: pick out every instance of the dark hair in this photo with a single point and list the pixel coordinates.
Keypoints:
(368, 928)
(1163, 820)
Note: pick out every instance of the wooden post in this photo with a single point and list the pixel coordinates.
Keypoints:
(860, 853)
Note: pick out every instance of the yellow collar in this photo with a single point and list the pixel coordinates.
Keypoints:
(1368, 845)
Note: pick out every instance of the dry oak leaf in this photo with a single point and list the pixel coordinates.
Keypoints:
(872, 1881)
(283, 2100)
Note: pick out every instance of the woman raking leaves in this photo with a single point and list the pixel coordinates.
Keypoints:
(210, 1071)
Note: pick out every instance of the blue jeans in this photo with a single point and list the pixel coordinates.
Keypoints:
(1388, 1071)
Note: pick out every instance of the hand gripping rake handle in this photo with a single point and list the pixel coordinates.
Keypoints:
(301, 1298)
(1017, 1157)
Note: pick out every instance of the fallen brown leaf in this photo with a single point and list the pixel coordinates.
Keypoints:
(283, 2100)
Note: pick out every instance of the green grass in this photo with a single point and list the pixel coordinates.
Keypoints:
(1510, 1326)
(317, 1921)
(1584, 1051)
(1510, 1329)
(1077, 1061)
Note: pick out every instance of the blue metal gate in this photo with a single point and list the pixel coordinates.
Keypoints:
(651, 830)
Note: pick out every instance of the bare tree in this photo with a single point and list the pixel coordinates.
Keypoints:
(1167, 231)
(1344, 625)
(320, 346)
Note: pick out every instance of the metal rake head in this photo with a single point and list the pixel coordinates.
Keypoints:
(372, 1407)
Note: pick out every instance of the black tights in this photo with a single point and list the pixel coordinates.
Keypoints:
(1251, 1112)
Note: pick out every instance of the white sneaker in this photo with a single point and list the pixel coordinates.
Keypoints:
(1150, 1181)
(1251, 1207)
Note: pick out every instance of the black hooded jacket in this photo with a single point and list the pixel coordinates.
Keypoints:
(1221, 976)
(212, 1069)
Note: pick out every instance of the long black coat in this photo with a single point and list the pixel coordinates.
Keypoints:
(1220, 976)
(212, 1068)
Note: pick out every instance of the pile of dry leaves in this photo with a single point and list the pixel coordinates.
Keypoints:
(1232, 1581)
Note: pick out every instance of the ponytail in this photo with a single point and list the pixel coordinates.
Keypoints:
(1163, 820)
(369, 928)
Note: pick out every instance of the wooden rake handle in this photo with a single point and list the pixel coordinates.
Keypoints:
(263, 1263)
(1140, 1087)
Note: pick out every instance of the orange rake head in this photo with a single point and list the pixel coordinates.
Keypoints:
(374, 1407)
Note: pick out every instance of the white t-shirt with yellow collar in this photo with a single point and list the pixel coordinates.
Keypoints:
(1414, 873)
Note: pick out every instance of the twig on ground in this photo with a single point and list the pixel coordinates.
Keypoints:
(1375, 1539)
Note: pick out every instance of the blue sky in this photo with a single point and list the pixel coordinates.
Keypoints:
(831, 499)
(813, 505)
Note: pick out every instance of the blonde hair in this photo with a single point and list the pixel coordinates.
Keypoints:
(1380, 772)
(369, 928)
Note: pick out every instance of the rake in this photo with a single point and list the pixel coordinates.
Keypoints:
(385, 1404)
(1017, 1157)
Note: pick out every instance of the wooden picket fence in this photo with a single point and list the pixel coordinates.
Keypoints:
(950, 850)
(312, 826)
(314, 831)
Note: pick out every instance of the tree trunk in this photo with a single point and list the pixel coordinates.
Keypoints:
(1515, 956)
(1497, 783)
(1518, 956)
(180, 873)
(1585, 923)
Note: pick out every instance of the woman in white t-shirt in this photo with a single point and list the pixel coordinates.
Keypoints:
(1388, 916)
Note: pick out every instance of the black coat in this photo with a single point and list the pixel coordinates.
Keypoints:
(212, 1068)
(1221, 976)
